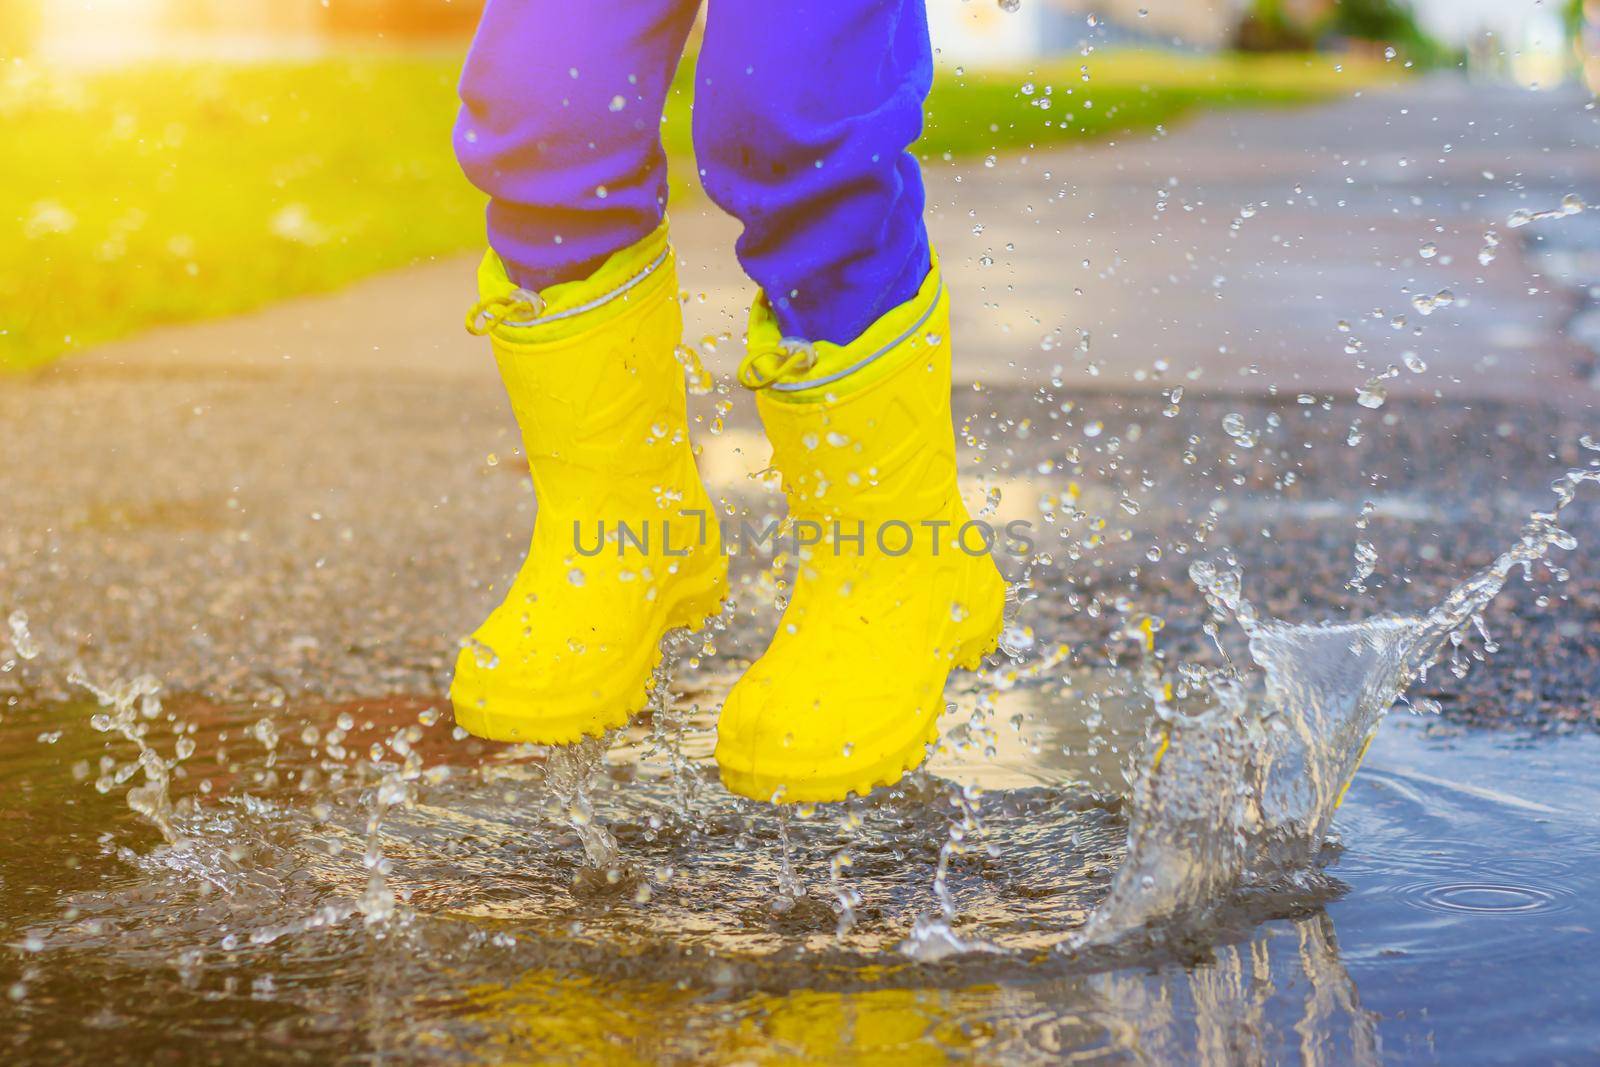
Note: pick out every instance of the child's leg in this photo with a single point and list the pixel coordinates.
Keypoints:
(805, 110)
(563, 108)
(560, 125)
(802, 116)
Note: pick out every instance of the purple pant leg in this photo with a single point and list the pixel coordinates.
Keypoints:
(803, 112)
(560, 124)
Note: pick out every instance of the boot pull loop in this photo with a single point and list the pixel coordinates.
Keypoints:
(792, 355)
(523, 305)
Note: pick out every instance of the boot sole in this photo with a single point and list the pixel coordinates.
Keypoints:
(509, 721)
(833, 783)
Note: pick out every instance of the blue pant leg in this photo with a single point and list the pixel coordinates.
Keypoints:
(561, 126)
(804, 110)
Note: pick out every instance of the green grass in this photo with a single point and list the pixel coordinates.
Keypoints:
(168, 194)
(1108, 96)
(165, 194)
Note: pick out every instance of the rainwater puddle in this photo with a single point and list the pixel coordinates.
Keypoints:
(1453, 925)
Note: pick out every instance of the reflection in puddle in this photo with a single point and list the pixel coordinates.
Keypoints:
(1282, 989)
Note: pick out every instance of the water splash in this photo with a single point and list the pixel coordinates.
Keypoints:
(394, 789)
(21, 639)
(1241, 792)
(668, 725)
(845, 895)
(1571, 204)
(570, 771)
(933, 936)
(131, 706)
(791, 888)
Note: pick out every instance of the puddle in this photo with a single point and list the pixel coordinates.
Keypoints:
(1456, 911)
(355, 880)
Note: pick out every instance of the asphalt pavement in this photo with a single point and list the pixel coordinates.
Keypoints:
(314, 502)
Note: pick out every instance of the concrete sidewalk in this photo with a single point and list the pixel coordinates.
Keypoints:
(1233, 248)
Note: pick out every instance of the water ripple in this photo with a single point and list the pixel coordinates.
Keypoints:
(1487, 898)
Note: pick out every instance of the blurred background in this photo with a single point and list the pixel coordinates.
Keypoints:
(1309, 285)
(1532, 36)
(176, 159)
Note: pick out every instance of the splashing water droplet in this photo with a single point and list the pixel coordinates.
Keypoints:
(1366, 556)
(1490, 249)
(1234, 426)
(1571, 204)
(21, 639)
(484, 656)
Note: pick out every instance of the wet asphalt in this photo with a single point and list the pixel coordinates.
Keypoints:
(314, 503)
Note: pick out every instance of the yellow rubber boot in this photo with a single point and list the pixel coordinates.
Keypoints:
(600, 398)
(848, 694)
